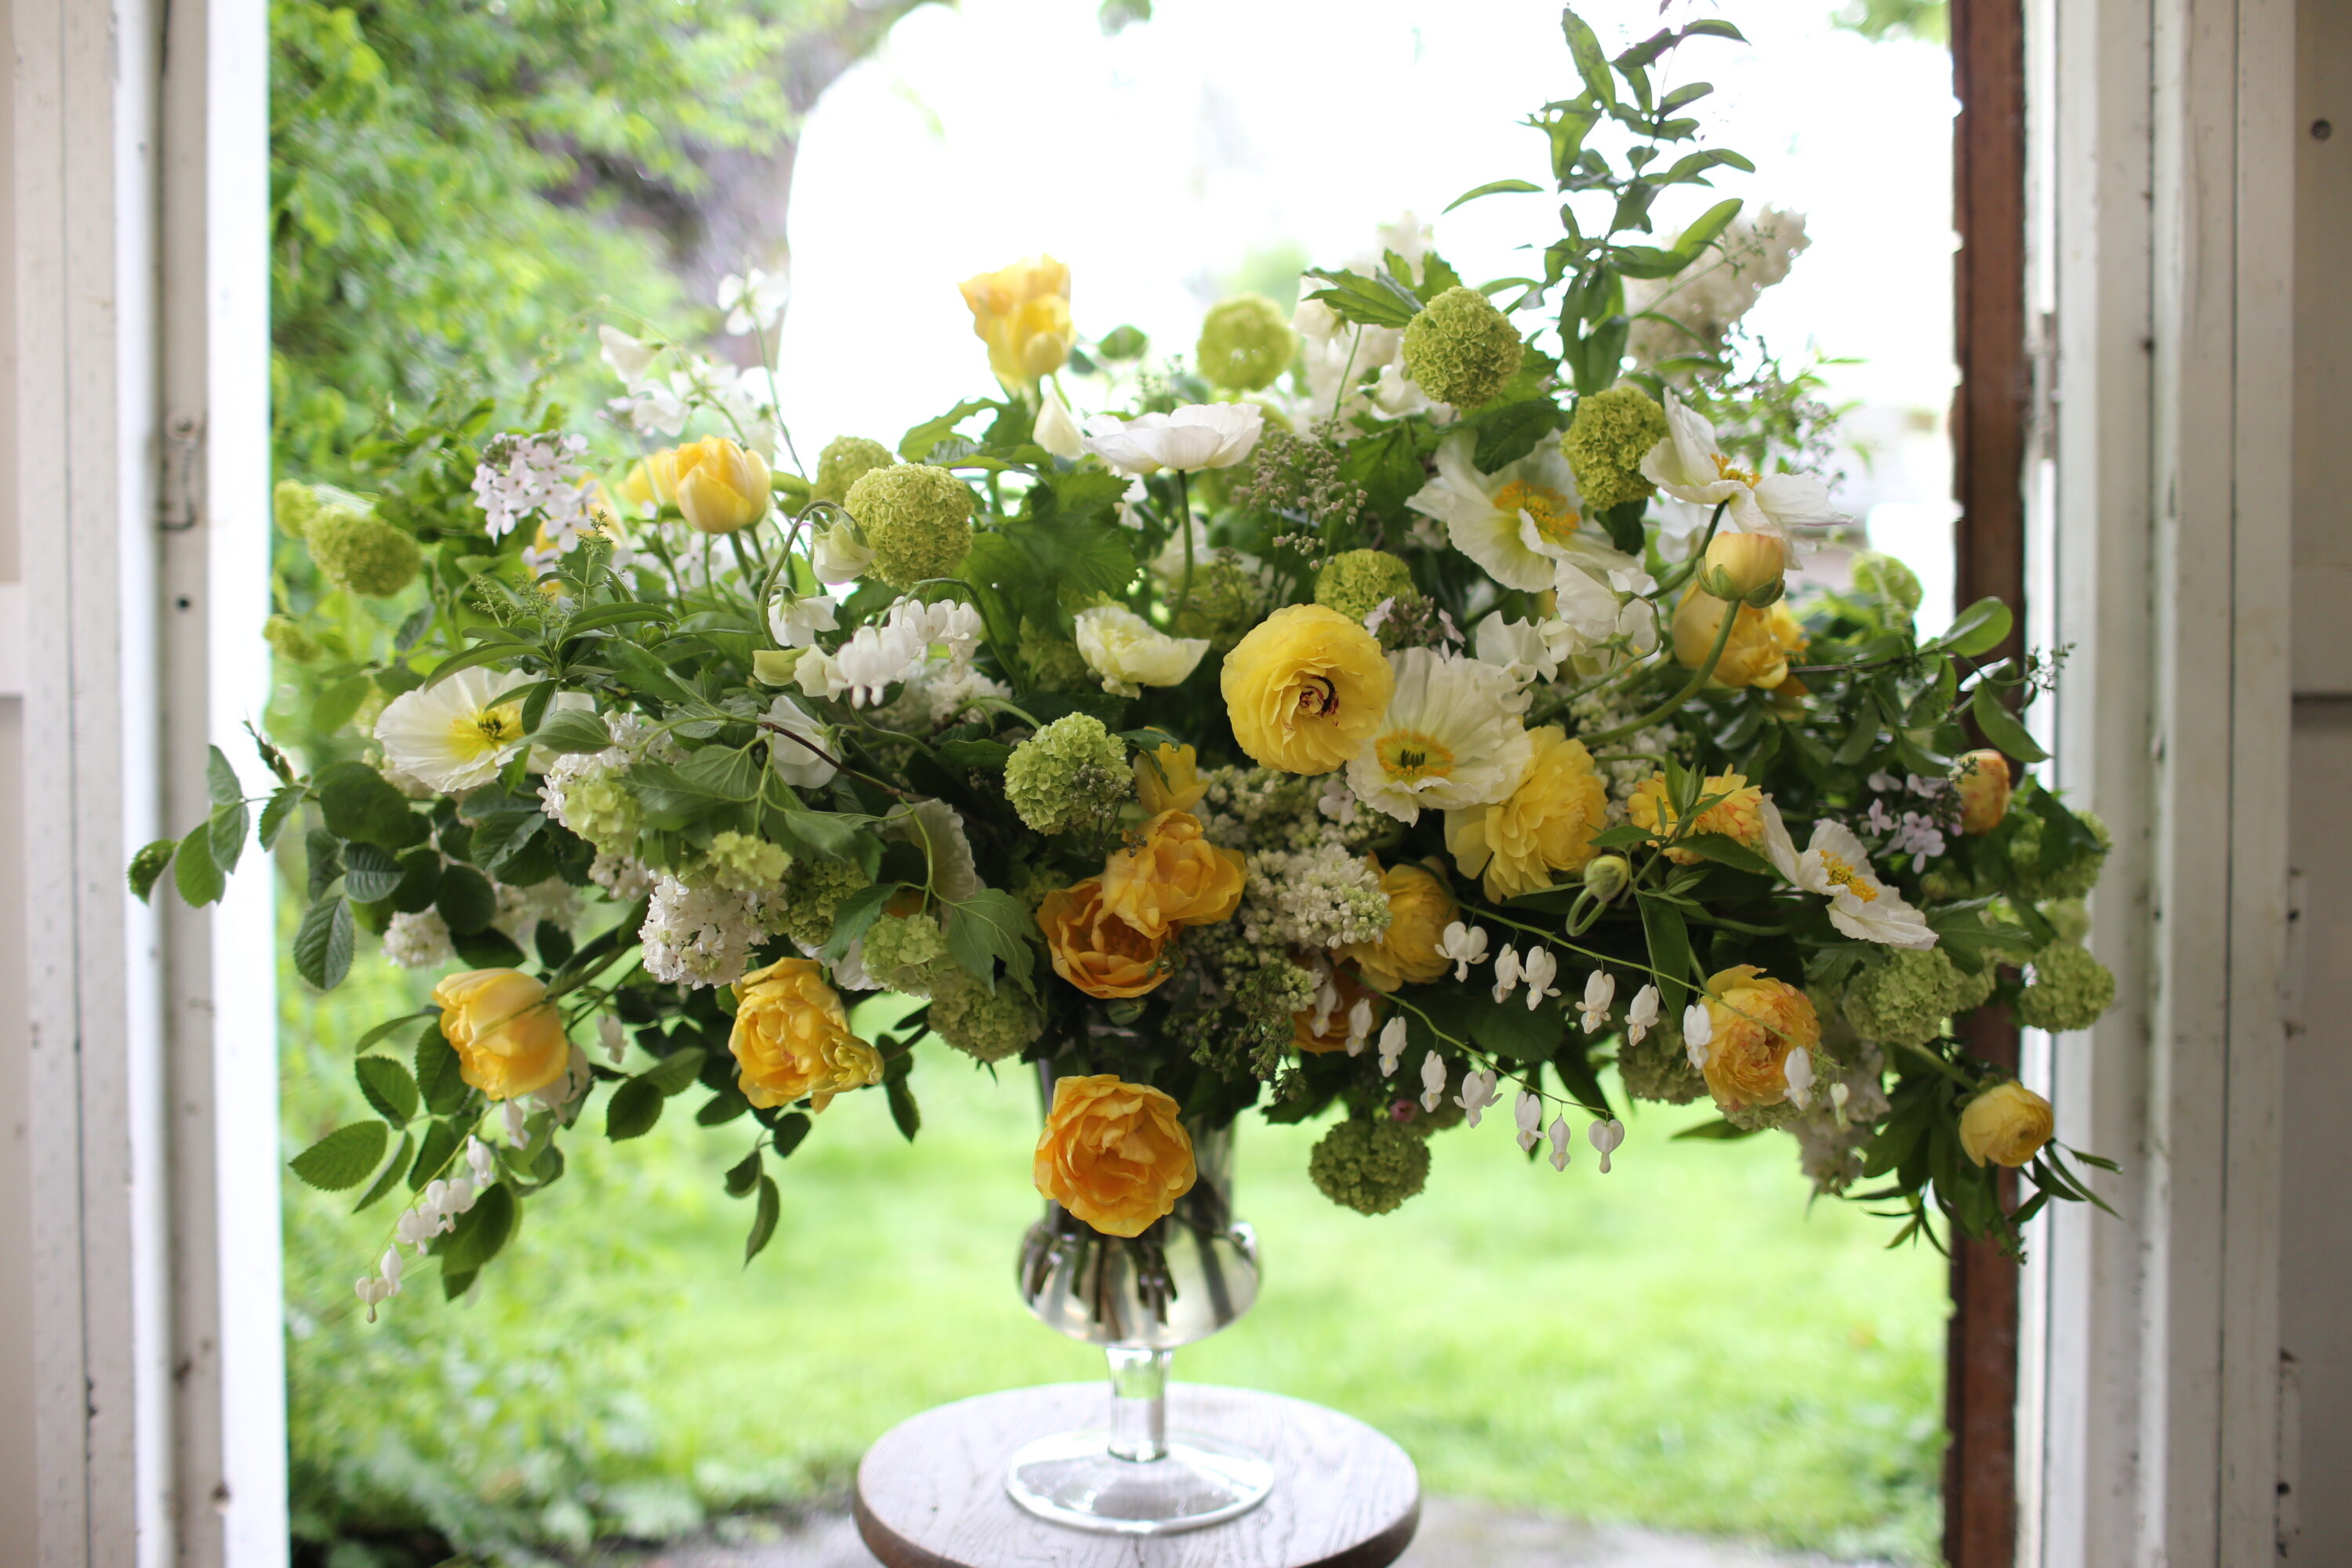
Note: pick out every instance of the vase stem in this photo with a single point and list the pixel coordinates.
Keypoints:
(1139, 1403)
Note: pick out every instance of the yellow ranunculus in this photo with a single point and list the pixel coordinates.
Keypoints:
(1543, 827)
(1095, 949)
(1738, 815)
(1306, 690)
(792, 1039)
(1744, 566)
(1169, 779)
(508, 1037)
(1761, 644)
(1173, 877)
(1420, 905)
(2007, 1124)
(1983, 781)
(716, 484)
(1022, 313)
(1757, 1023)
(1113, 1153)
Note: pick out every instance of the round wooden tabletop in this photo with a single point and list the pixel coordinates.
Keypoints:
(931, 1493)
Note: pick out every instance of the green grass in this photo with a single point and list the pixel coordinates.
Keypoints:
(1681, 1343)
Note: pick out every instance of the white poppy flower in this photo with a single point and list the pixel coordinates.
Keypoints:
(1689, 465)
(1448, 740)
(1195, 436)
(1837, 867)
(1129, 653)
(1528, 651)
(794, 620)
(836, 555)
(1518, 523)
(1588, 607)
(1055, 430)
(799, 754)
(454, 735)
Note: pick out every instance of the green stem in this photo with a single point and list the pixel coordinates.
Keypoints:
(1185, 522)
(1691, 688)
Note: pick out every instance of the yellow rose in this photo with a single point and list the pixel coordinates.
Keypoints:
(1744, 566)
(1095, 951)
(1757, 1023)
(1761, 644)
(1306, 690)
(2007, 1124)
(716, 484)
(509, 1036)
(1735, 815)
(1113, 1153)
(1333, 1036)
(1542, 828)
(1421, 907)
(1022, 313)
(1983, 781)
(1169, 779)
(1173, 877)
(792, 1039)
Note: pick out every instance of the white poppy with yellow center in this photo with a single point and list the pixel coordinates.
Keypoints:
(1837, 867)
(1690, 466)
(454, 734)
(1519, 522)
(1449, 740)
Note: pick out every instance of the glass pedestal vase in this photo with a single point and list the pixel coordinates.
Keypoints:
(1180, 1280)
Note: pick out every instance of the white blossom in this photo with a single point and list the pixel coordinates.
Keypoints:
(794, 620)
(1359, 1025)
(1477, 1094)
(1836, 866)
(1540, 968)
(1055, 430)
(420, 940)
(1506, 972)
(1698, 1034)
(1560, 1137)
(1433, 1081)
(754, 300)
(1642, 1016)
(540, 479)
(703, 936)
(1604, 1136)
(836, 556)
(1465, 945)
(1599, 993)
(1527, 1112)
(479, 1158)
(1193, 437)
(1391, 1045)
(1798, 1070)
(802, 751)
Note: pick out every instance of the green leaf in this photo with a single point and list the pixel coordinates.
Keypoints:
(675, 1071)
(220, 779)
(388, 1088)
(148, 865)
(1123, 343)
(1508, 1029)
(636, 1106)
(486, 949)
(1722, 1131)
(744, 1174)
(466, 902)
(570, 732)
(359, 805)
(1670, 952)
(710, 780)
(387, 1028)
(788, 1134)
(1592, 64)
(763, 1223)
(976, 756)
(278, 811)
(323, 947)
(904, 1113)
(1509, 432)
(225, 836)
(856, 914)
(389, 1179)
(990, 925)
(1978, 630)
(1493, 188)
(504, 832)
(370, 874)
(1711, 223)
(604, 615)
(193, 870)
(1376, 301)
(1725, 850)
(917, 443)
(343, 1158)
(480, 1232)
(439, 1073)
(2001, 727)
(337, 703)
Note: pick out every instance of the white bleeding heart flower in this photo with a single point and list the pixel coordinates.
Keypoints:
(1604, 1136)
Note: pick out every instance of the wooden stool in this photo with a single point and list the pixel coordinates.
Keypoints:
(931, 1493)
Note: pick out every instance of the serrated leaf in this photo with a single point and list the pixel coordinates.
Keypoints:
(480, 1232)
(990, 925)
(323, 947)
(467, 901)
(856, 914)
(386, 1029)
(359, 805)
(434, 1154)
(489, 948)
(501, 835)
(788, 1134)
(387, 1087)
(2001, 728)
(439, 1071)
(1376, 301)
(636, 1106)
(389, 1179)
(149, 865)
(570, 732)
(1670, 952)
(220, 779)
(280, 811)
(194, 871)
(675, 1071)
(343, 1158)
(917, 443)
(224, 836)
(371, 874)
(763, 1223)
(337, 703)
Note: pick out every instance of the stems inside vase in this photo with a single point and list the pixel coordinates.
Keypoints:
(1139, 1401)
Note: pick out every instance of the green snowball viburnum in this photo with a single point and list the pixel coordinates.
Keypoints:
(1055, 663)
(1226, 602)
(742, 864)
(1659, 1069)
(1245, 342)
(814, 892)
(988, 1027)
(1357, 581)
(1611, 433)
(2073, 879)
(1460, 349)
(1903, 996)
(845, 460)
(361, 553)
(295, 505)
(285, 634)
(1970, 991)
(1369, 1166)
(2070, 990)
(600, 809)
(917, 518)
(1071, 772)
(902, 951)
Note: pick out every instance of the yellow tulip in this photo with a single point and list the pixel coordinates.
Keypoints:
(1749, 567)
(716, 484)
(1022, 313)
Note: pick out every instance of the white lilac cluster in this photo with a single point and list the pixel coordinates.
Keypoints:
(704, 936)
(1624, 764)
(876, 658)
(1318, 896)
(525, 479)
(625, 881)
(1703, 304)
(1913, 829)
(420, 940)
(1832, 1130)
(942, 692)
(1247, 808)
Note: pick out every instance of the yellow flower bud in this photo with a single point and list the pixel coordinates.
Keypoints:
(1022, 313)
(1169, 779)
(2007, 1124)
(1749, 567)
(1606, 877)
(716, 484)
(1983, 781)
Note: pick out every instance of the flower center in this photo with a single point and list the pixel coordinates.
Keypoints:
(1555, 519)
(1412, 756)
(486, 731)
(1852, 878)
(1724, 471)
(1317, 698)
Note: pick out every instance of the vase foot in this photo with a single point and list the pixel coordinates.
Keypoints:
(1073, 1479)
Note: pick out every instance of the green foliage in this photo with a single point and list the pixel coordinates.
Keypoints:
(1927, 20)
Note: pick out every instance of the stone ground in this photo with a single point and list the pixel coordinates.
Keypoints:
(1452, 1535)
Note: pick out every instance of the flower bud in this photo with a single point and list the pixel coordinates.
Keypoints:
(2007, 1124)
(1983, 780)
(1747, 567)
(1605, 876)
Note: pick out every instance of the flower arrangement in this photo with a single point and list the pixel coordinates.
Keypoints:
(1399, 710)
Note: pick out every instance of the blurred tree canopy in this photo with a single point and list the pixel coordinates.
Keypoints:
(1875, 20)
(453, 181)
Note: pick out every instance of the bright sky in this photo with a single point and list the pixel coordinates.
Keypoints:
(1186, 154)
